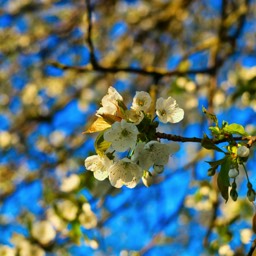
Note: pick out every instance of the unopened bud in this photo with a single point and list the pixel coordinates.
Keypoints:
(158, 168)
(243, 151)
(147, 179)
(233, 194)
(233, 173)
(251, 195)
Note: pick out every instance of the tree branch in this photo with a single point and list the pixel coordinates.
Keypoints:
(251, 139)
(93, 59)
(147, 71)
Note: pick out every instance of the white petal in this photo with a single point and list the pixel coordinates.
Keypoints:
(159, 103)
(92, 163)
(176, 115)
(100, 175)
(125, 172)
(170, 102)
(98, 165)
(141, 101)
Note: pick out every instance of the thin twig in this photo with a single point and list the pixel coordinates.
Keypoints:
(177, 138)
(93, 59)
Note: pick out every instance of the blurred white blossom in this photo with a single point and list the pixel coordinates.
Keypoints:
(7, 251)
(125, 172)
(87, 218)
(67, 209)
(122, 135)
(98, 165)
(168, 110)
(70, 183)
(43, 232)
(58, 223)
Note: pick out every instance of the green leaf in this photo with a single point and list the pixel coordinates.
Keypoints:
(208, 144)
(235, 129)
(223, 178)
(215, 164)
(101, 145)
(215, 130)
(210, 116)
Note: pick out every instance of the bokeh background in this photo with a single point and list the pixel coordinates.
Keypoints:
(57, 60)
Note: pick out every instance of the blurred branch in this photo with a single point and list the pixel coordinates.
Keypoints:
(89, 34)
(147, 71)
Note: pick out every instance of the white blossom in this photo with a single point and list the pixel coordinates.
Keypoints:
(168, 110)
(87, 218)
(153, 153)
(232, 173)
(70, 183)
(122, 135)
(160, 152)
(98, 165)
(67, 209)
(142, 156)
(7, 251)
(243, 151)
(141, 101)
(43, 232)
(134, 116)
(125, 172)
(57, 222)
(25, 248)
(110, 102)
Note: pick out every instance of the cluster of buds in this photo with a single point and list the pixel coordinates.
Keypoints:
(240, 157)
(132, 131)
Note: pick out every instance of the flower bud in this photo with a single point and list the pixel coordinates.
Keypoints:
(158, 168)
(243, 151)
(233, 194)
(43, 232)
(147, 179)
(233, 173)
(251, 195)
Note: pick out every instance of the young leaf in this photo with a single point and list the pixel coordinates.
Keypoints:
(208, 144)
(215, 130)
(111, 118)
(98, 125)
(210, 116)
(223, 178)
(101, 145)
(235, 129)
(215, 164)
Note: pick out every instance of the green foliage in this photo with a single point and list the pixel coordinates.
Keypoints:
(234, 129)
(223, 178)
(209, 144)
(101, 145)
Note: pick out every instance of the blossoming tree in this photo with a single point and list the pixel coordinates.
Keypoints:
(124, 123)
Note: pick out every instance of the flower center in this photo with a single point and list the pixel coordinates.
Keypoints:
(163, 112)
(141, 103)
(125, 132)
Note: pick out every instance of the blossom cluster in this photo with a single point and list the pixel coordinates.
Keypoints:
(131, 133)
